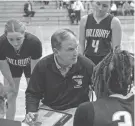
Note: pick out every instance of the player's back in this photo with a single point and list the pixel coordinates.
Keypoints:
(114, 111)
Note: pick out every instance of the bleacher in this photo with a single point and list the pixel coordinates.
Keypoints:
(49, 15)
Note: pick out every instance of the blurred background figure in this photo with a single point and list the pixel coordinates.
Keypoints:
(114, 9)
(71, 12)
(132, 7)
(126, 8)
(119, 8)
(28, 9)
(44, 3)
(66, 4)
(78, 7)
(59, 4)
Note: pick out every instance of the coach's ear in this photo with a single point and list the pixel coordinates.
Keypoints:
(55, 51)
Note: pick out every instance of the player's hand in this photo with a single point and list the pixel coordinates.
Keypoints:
(31, 117)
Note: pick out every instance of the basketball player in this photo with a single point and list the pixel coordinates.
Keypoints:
(112, 79)
(22, 51)
(99, 32)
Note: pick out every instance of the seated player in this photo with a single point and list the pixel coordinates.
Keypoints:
(112, 79)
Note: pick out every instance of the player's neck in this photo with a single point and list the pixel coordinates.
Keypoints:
(61, 63)
(17, 50)
(99, 18)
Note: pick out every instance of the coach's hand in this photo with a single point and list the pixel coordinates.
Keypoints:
(31, 117)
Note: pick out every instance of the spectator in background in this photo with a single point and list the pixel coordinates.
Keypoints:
(114, 9)
(43, 4)
(119, 8)
(132, 7)
(126, 8)
(78, 7)
(59, 4)
(71, 12)
(28, 9)
(66, 3)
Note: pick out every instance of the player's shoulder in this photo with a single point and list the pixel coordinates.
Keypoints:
(3, 38)
(45, 61)
(103, 101)
(3, 41)
(86, 62)
(31, 38)
(86, 109)
(86, 105)
(84, 17)
(115, 22)
(83, 20)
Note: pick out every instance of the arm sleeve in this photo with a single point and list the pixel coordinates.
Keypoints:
(34, 91)
(36, 49)
(84, 115)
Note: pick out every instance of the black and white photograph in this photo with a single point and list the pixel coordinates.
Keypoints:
(67, 62)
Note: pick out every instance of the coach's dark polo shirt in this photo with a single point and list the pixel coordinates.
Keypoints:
(55, 90)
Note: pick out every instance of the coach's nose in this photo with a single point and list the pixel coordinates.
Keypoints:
(100, 7)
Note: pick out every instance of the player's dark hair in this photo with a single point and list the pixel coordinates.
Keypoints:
(59, 36)
(114, 74)
(14, 25)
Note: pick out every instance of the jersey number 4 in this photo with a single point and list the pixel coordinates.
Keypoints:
(127, 118)
(95, 44)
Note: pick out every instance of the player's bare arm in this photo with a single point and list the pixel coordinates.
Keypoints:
(4, 67)
(33, 63)
(116, 32)
(82, 34)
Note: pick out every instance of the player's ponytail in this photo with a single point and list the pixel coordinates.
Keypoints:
(14, 25)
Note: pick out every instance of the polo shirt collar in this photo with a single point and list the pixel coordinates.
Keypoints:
(57, 65)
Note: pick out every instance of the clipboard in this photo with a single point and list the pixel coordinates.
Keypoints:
(47, 117)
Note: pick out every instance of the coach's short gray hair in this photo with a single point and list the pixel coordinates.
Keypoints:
(59, 36)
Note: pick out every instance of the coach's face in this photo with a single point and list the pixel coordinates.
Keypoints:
(101, 7)
(15, 39)
(68, 53)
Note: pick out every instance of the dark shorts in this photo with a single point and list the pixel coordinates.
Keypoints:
(17, 71)
(95, 59)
